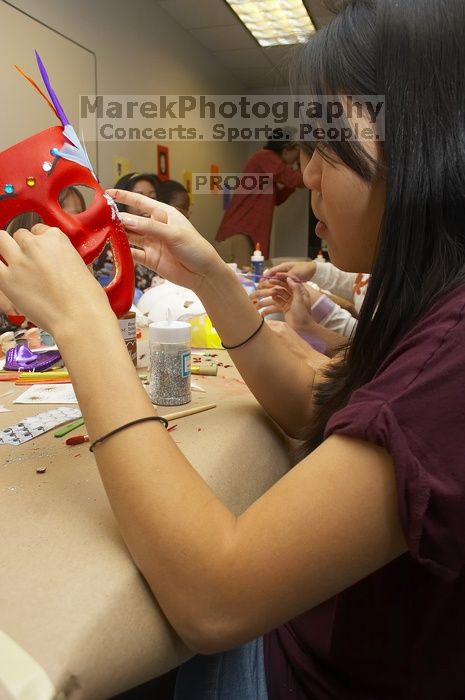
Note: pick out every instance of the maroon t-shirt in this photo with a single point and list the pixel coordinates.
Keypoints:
(398, 634)
(252, 213)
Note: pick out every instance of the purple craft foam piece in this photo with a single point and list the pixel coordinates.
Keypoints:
(322, 308)
(56, 103)
(21, 358)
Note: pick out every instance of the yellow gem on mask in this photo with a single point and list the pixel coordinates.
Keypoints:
(30, 181)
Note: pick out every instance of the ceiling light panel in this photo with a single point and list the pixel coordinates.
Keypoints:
(274, 22)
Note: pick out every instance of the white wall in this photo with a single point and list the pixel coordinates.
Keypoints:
(141, 50)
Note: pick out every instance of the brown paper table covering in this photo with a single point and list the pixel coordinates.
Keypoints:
(71, 597)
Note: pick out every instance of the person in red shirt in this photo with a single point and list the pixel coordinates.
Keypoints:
(249, 217)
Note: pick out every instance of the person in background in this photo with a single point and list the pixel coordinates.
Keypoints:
(175, 194)
(304, 305)
(147, 184)
(346, 578)
(72, 200)
(350, 287)
(249, 218)
(311, 314)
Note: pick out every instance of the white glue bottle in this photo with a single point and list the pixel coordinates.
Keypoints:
(257, 260)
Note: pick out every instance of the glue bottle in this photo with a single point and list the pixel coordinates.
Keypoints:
(257, 261)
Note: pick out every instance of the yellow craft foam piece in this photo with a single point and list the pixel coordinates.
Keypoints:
(203, 334)
(21, 675)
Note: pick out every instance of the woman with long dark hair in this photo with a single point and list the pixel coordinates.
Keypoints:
(348, 574)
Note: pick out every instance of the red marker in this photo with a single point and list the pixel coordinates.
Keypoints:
(77, 439)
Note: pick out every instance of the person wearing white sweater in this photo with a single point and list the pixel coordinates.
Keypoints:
(323, 278)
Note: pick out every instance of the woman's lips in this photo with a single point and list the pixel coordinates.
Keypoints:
(320, 229)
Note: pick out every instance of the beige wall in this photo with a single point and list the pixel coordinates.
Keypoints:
(141, 50)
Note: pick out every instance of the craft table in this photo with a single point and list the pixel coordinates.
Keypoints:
(76, 618)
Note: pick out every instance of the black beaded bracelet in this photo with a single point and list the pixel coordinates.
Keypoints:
(127, 425)
(233, 347)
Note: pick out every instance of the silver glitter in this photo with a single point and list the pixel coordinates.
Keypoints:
(170, 375)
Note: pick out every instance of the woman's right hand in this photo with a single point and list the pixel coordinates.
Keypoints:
(166, 241)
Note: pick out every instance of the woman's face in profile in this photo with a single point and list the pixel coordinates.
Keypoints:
(349, 208)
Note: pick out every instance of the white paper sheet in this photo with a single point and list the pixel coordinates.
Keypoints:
(33, 426)
(48, 393)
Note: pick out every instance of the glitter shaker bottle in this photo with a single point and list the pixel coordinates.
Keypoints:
(170, 363)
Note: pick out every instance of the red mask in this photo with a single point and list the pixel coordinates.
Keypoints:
(32, 175)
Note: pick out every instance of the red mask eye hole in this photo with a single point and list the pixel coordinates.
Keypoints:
(104, 266)
(76, 198)
(27, 219)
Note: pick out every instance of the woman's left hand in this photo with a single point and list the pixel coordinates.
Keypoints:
(6, 307)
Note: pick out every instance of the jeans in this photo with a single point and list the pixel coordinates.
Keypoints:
(238, 674)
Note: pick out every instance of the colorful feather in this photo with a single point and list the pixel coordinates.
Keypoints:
(76, 152)
(56, 103)
(34, 84)
(73, 151)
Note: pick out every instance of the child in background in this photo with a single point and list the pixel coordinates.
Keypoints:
(350, 286)
(72, 200)
(175, 194)
(316, 301)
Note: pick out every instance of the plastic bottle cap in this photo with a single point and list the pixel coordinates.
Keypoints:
(257, 254)
(173, 332)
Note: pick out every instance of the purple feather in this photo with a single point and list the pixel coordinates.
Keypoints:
(61, 114)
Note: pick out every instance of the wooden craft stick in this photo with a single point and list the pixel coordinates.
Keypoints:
(211, 370)
(189, 411)
(45, 376)
(24, 382)
(68, 428)
(8, 376)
